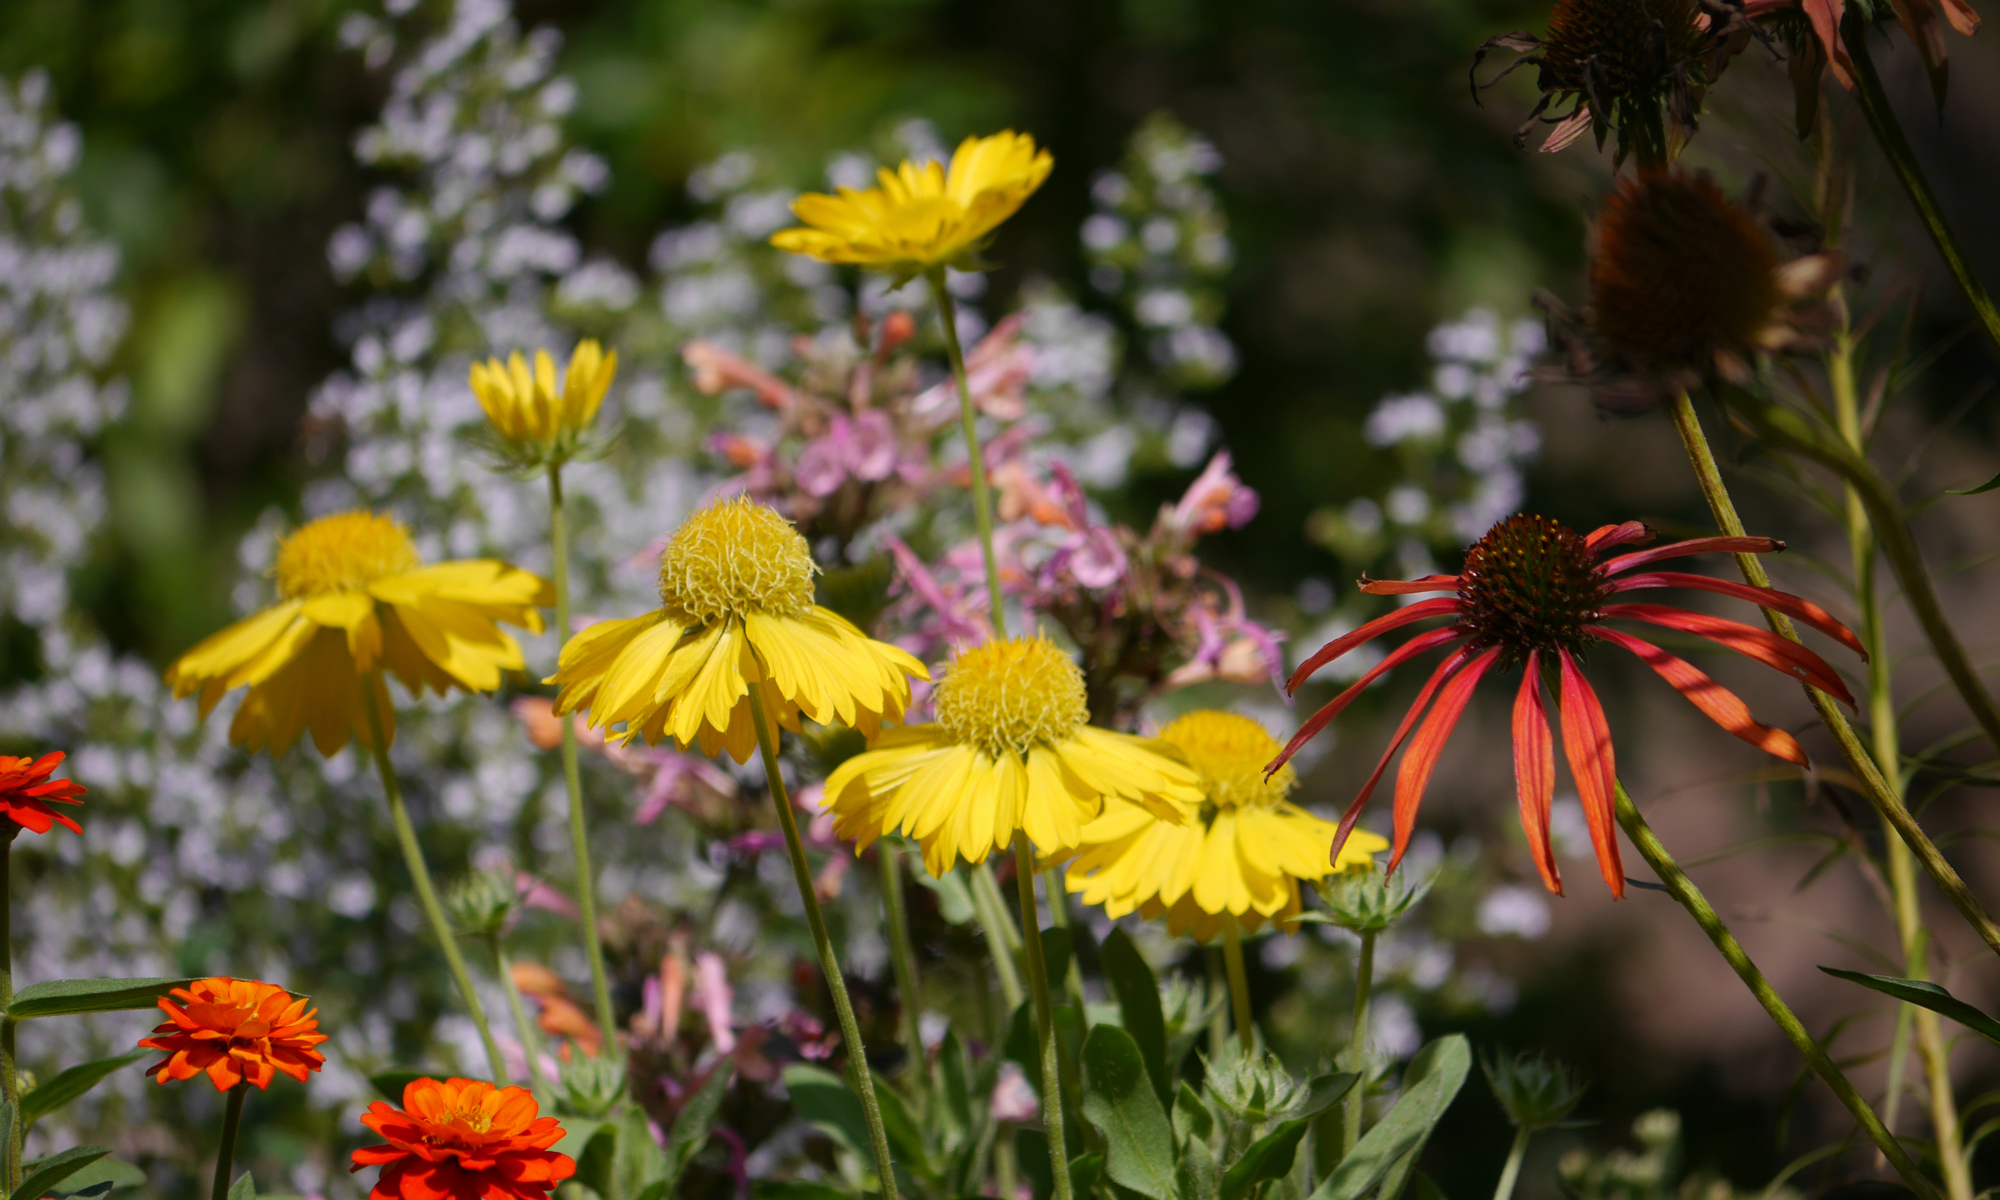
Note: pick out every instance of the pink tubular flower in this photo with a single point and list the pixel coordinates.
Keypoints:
(997, 372)
(1215, 501)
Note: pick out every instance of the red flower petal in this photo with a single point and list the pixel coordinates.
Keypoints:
(1797, 607)
(1587, 745)
(1410, 614)
(1714, 545)
(1535, 770)
(1445, 670)
(1334, 707)
(1766, 647)
(1408, 587)
(1415, 773)
(1604, 537)
(1723, 706)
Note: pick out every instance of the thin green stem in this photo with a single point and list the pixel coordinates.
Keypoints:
(1357, 1046)
(858, 1075)
(982, 501)
(579, 833)
(1512, 1171)
(1888, 133)
(902, 958)
(1002, 939)
(225, 1155)
(420, 874)
(10, 1077)
(1875, 786)
(1239, 984)
(1059, 919)
(524, 1029)
(1689, 896)
(1045, 1016)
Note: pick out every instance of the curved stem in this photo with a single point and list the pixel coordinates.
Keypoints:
(1239, 984)
(1357, 1046)
(1512, 1171)
(225, 1155)
(579, 834)
(1888, 133)
(1874, 785)
(902, 957)
(1045, 1016)
(982, 501)
(524, 1029)
(858, 1076)
(420, 874)
(1689, 896)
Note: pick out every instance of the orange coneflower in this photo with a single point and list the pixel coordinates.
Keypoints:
(26, 791)
(463, 1139)
(235, 1031)
(1532, 594)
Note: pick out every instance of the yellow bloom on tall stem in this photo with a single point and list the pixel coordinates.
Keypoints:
(355, 599)
(736, 611)
(539, 416)
(1242, 857)
(921, 216)
(1011, 749)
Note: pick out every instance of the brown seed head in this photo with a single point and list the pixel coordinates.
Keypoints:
(1529, 584)
(1620, 50)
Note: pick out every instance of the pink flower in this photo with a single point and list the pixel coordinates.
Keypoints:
(1215, 501)
(717, 370)
(712, 995)
(1013, 1097)
(997, 372)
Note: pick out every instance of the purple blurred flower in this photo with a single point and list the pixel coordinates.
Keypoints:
(1215, 501)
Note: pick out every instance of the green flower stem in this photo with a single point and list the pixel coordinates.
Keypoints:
(1512, 1171)
(1357, 1046)
(902, 957)
(420, 873)
(858, 1076)
(10, 1078)
(1059, 918)
(225, 1155)
(982, 501)
(524, 1029)
(1888, 133)
(1874, 785)
(1239, 984)
(1045, 1016)
(579, 834)
(1002, 939)
(1683, 890)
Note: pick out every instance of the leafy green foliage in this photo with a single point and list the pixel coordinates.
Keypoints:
(71, 1084)
(1118, 1099)
(1925, 994)
(1385, 1153)
(68, 997)
(38, 1177)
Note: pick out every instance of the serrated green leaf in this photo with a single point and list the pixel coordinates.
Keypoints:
(1138, 993)
(69, 1085)
(1925, 994)
(40, 1176)
(243, 1189)
(1430, 1083)
(1118, 1099)
(67, 997)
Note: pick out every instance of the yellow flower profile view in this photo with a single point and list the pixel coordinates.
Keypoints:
(1244, 855)
(354, 598)
(921, 217)
(537, 415)
(736, 609)
(1010, 749)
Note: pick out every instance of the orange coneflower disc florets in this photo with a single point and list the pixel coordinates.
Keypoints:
(26, 791)
(233, 1030)
(463, 1139)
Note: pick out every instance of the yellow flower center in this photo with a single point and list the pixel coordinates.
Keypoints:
(736, 556)
(1230, 752)
(343, 553)
(1005, 696)
(473, 1117)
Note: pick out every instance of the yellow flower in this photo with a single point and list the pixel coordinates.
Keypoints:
(355, 598)
(534, 416)
(736, 609)
(921, 217)
(1010, 749)
(1244, 855)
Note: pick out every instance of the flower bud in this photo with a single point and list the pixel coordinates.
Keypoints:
(1535, 1091)
(1366, 901)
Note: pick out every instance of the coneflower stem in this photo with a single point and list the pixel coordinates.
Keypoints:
(858, 1075)
(1689, 896)
(902, 958)
(225, 1155)
(1875, 785)
(1888, 133)
(1239, 984)
(982, 500)
(524, 1029)
(420, 874)
(579, 834)
(1512, 1171)
(1357, 1046)
(1045, 1016)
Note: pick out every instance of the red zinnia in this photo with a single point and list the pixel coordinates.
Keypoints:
(26, 791)
(1531, 593)
(463, 1139)
(234, 1030)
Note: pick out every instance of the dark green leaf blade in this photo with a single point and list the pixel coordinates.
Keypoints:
(691, 1127)
(67, 997)
(1269, 1157)
(1988, 486)
(244, 1188)
(823, 1101)
(1138, 993)
(1118, 1098)
(1925, 994)
(1430, 1084)
(71, 1084)
(99, 1178)
(44, 1173)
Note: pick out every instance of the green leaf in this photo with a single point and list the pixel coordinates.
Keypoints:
(906, 1138)
(1118, 1098)
(691, 1127)
(67, 997)
(1192, 1119)
(1138, 993)
(243, 1189)
(1056, 947)
(954, 1074)
(71, 1084)
(1430, 1083)
(1988, 486)
(1196, 1176)
(1271, 1156)
(45, 1173)
(1020, 1046)
(103, 1176)
(591, 1143)
(823, 1101)
(1031, 1151)
(1925, 994)
(636, 1159)
(389, 1084)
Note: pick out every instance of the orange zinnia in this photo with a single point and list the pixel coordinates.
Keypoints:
(26, 792)
(463, 1139)
(235, 1030)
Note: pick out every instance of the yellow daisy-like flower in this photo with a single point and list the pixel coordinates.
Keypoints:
(355, 598)
(1011, 748)
(736, 610)
(537, 415)
(1244, 855)
(921, 217)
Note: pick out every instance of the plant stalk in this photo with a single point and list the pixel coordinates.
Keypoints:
(1045, 1016)
(1689, 896)
(420, 874)
(579, 834)
(1512, 1171)
(1239, 984)
(982, 500)
(225, 1155)
(524, 1029)
(10, 1076)
(902, 958)
(1357, 1047)
(858, 1075)
(1002, 939)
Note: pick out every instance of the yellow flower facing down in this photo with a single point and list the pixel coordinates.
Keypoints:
(538, 415)
(1243, 855)
(921, 216)
(736, 611)
(355, 599)
(1010, 749)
